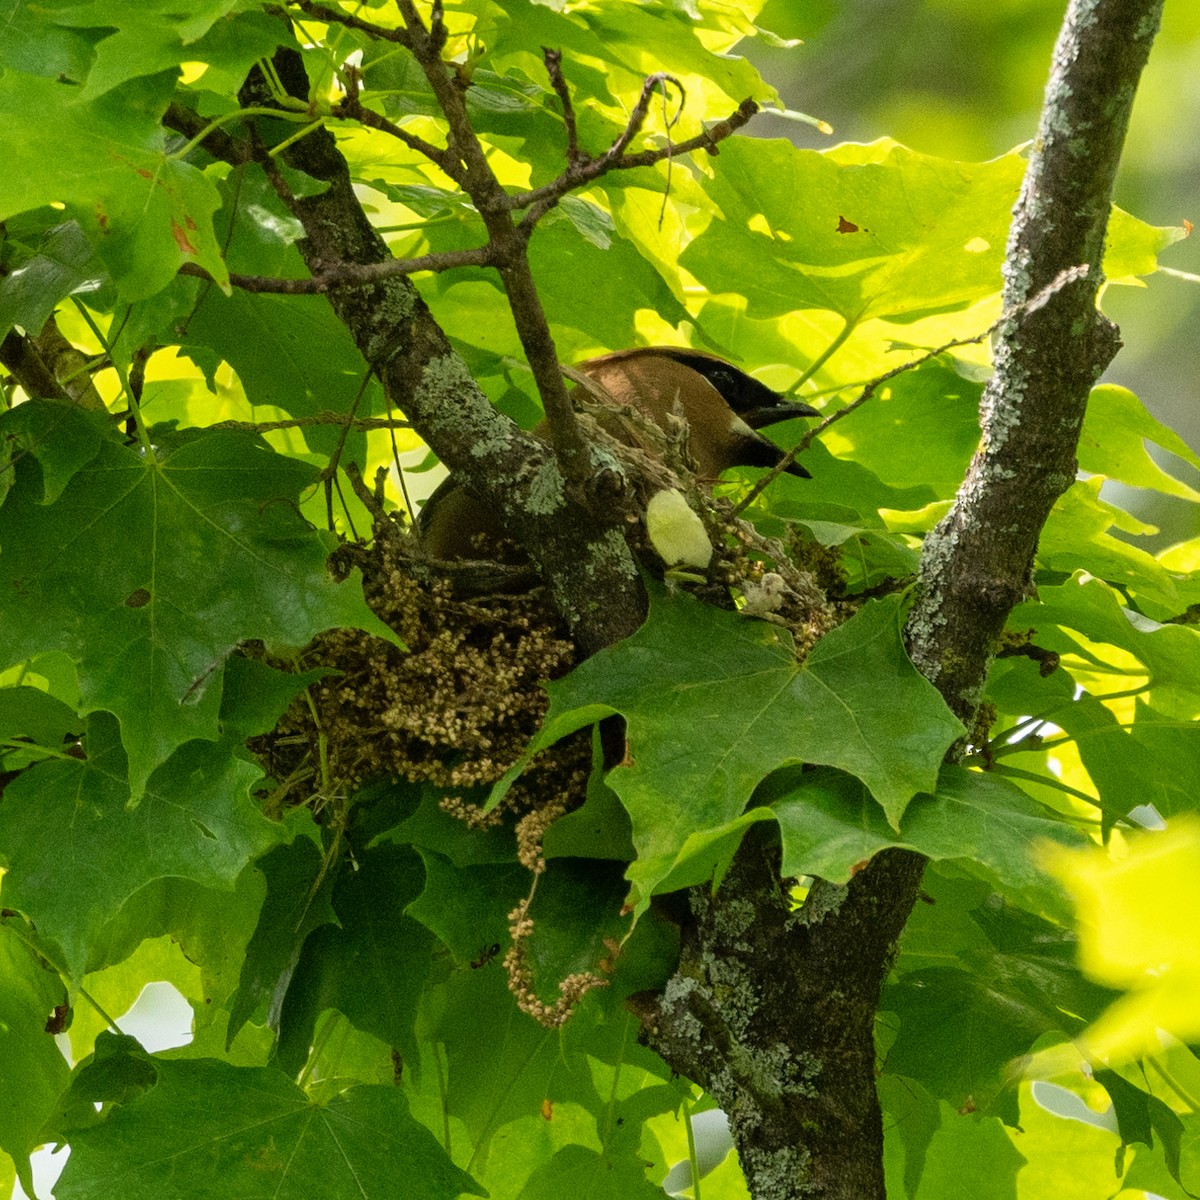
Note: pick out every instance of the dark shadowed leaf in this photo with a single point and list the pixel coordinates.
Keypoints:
(252, 1133)
(372, 966)
(195, 821)
(202, 549)
(33, 1071)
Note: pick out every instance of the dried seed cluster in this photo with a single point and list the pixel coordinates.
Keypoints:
(458, 706)
(520, 982)
(455, 709)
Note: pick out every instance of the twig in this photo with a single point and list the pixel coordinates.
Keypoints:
(553, 61)
(438, 33)
(356, 274)
(540, 200)
(321, 418)
(1061, 280)
(329, 476)
(351, 106)
(337, 16)
(669, 123)
(372, 500)
(259, 283)
(637, 116)
(351, 274)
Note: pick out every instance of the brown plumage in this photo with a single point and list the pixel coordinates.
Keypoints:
(723, 406)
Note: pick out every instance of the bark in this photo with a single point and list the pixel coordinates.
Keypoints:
(583, 556)
(50, 367)
(773, 1013)
(977, 563)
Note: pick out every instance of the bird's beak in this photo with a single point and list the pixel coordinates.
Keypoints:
(772, 414)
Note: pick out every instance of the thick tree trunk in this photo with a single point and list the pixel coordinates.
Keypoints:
(773, 1013)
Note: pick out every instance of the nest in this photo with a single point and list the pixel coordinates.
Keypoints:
(455, 709)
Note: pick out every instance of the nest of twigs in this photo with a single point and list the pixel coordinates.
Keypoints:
(455, 709)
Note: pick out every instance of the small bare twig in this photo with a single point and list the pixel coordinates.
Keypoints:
(1056, 285)
(351, 106)
(338, 16)
(669, 123)
(259, 283)
(322, 418)
(372, 499)
(553, 61)
(438, 33)
(637, 116)
(540, 200)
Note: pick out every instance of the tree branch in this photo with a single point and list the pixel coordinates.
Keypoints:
(352, 274)
(774, 1016)
(351, 106)
(50, 367)
(216, 141)
(584, 559)
(320, 418)
(977, 563)
(511, 259)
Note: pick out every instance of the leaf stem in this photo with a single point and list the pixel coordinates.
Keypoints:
(1057, 784)
(445, 1105)
(1174, 1084)
(135, 407)
(224, 119)
(280, 147)
(19, 931)
(691, 1140)
(839, 340)
(319, 1044)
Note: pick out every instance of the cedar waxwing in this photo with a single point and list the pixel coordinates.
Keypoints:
(723, 407)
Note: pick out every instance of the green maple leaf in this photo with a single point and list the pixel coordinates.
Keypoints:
(828, 825)
(196, 821)
(149, 570)
(714, 702)
(866, 231)
(33, 1073)
(208, 1129)
(144, 212)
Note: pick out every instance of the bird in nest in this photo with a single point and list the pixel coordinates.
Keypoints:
(721, 407)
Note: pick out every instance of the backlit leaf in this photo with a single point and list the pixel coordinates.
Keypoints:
(144, 212)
